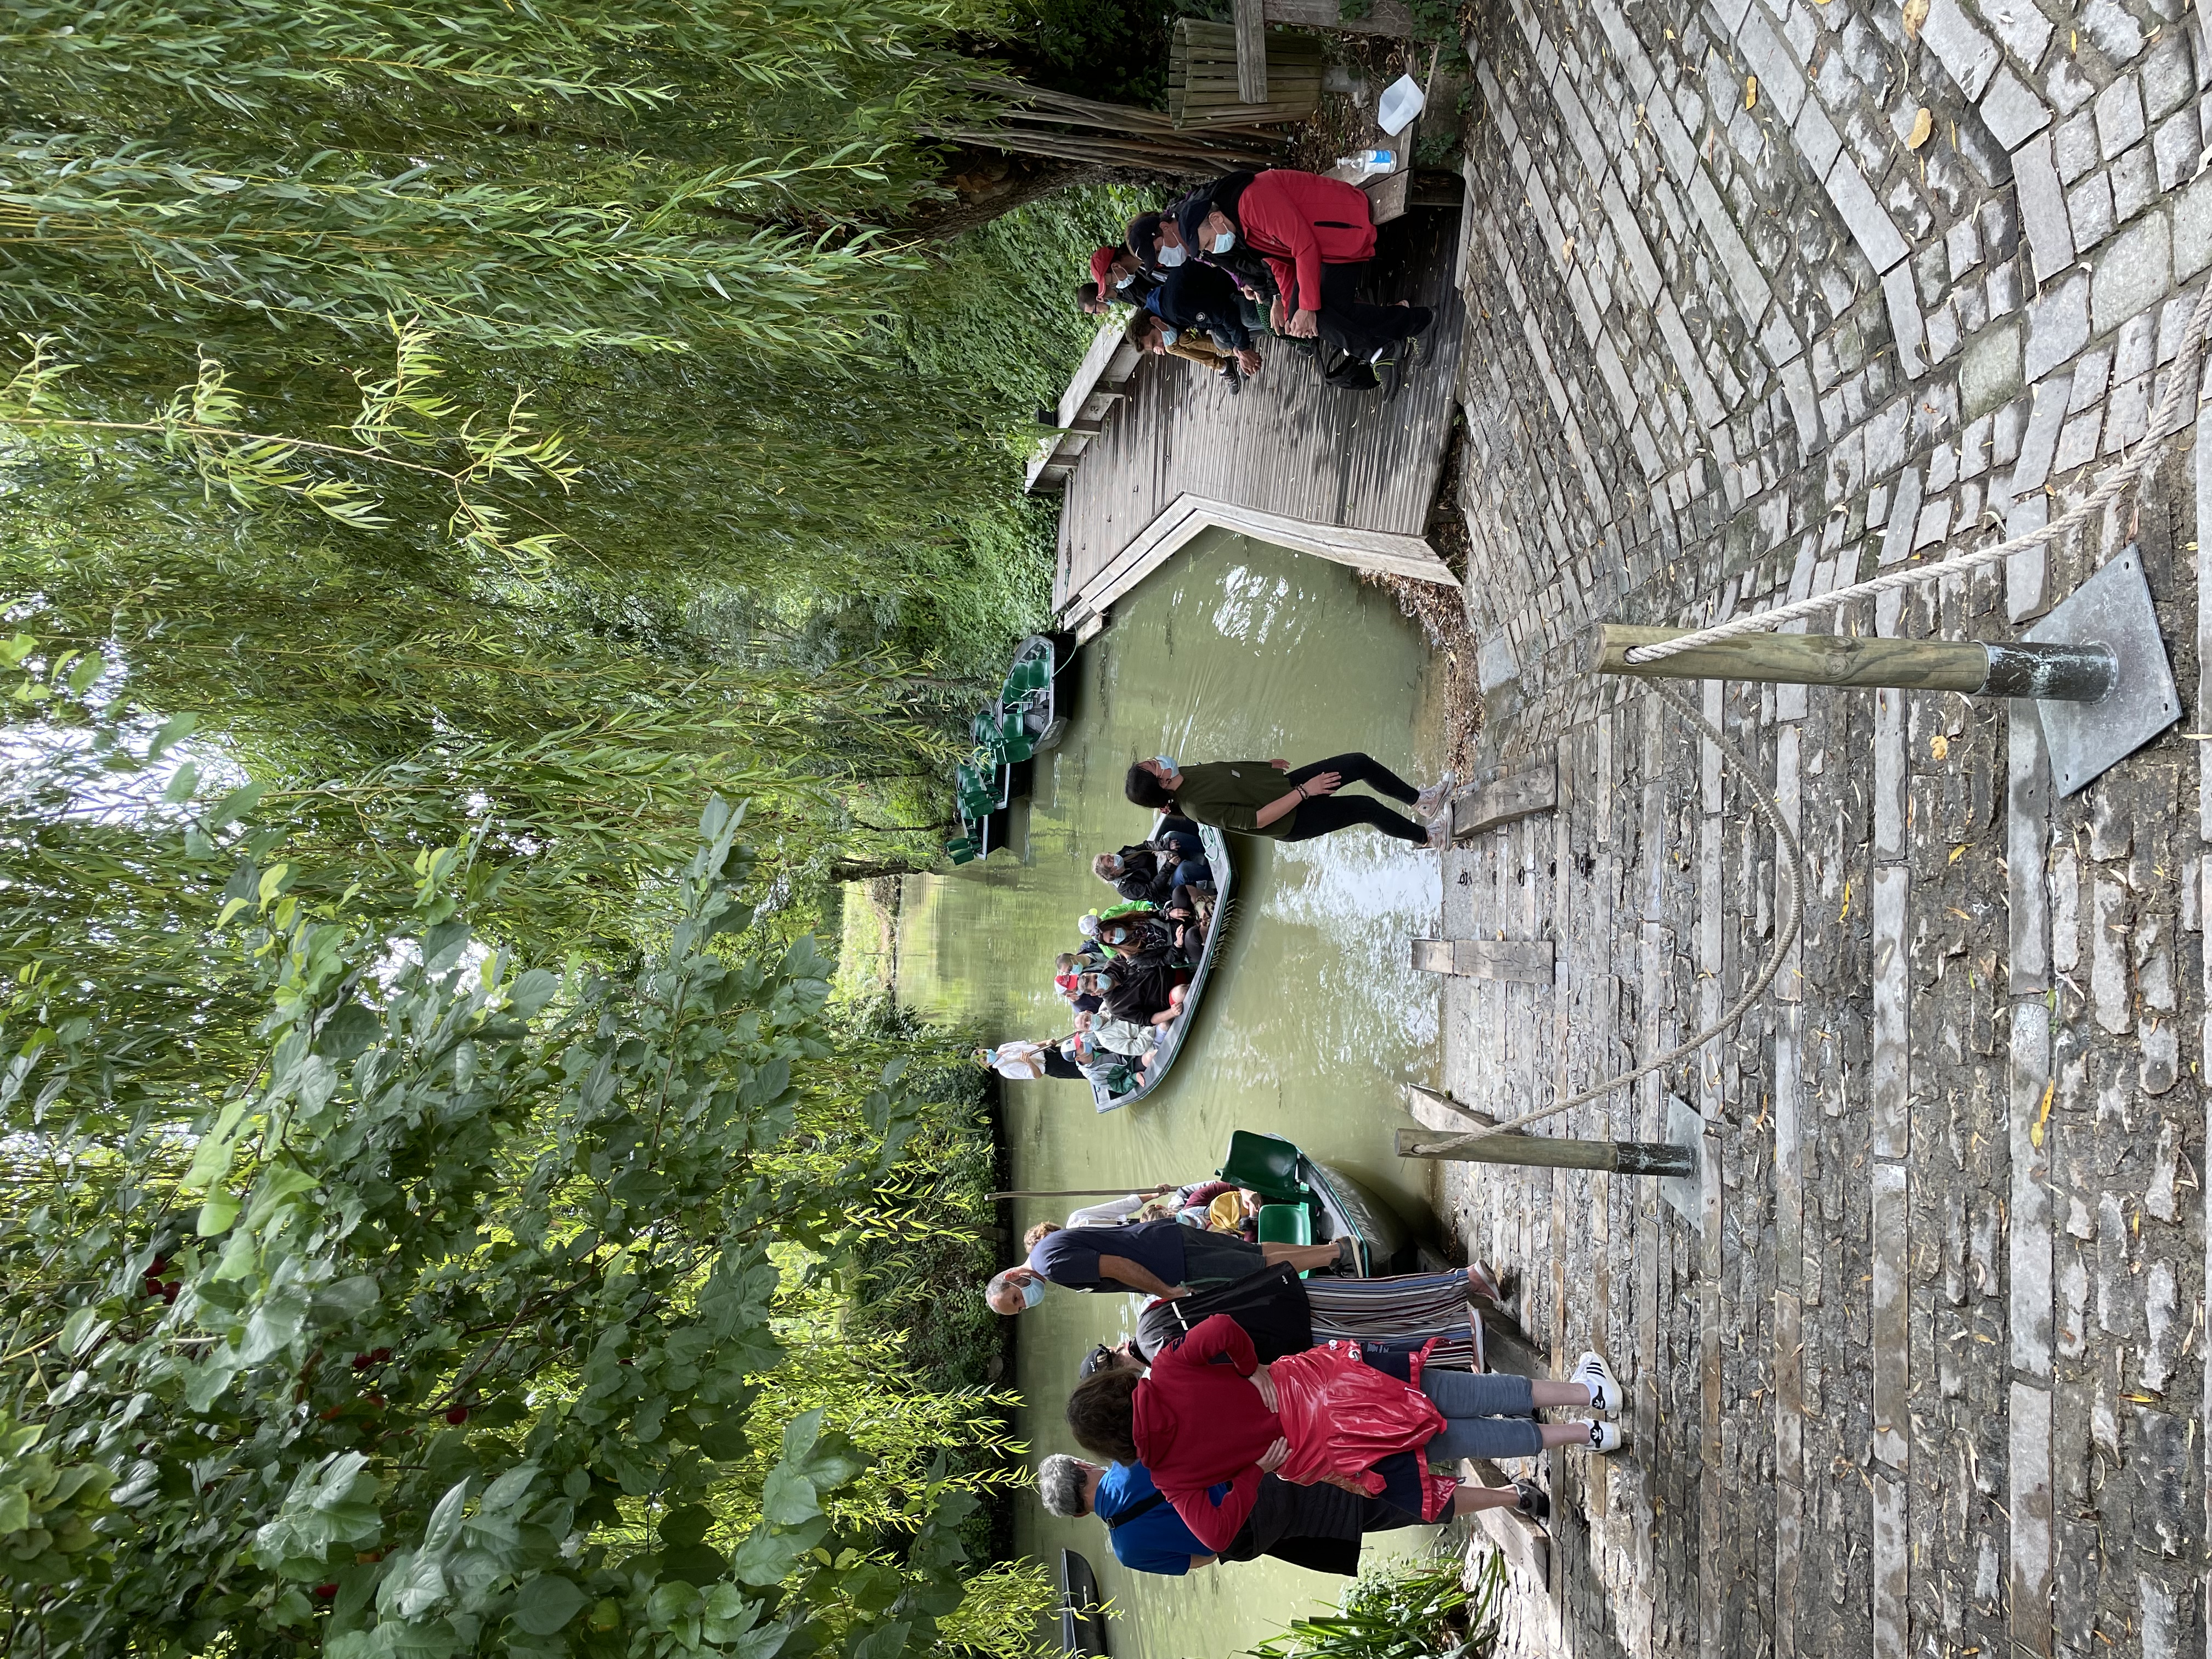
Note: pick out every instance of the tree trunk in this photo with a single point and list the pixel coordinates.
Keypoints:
(876, 869)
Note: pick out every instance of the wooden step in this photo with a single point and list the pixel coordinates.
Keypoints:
(1519, 960)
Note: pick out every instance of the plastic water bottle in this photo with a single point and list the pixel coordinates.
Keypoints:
(1371, 161)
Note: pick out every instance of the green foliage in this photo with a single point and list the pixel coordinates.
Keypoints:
(445, 1321)
(1419, 1609)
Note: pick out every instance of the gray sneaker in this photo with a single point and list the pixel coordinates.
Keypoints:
(1435, 795)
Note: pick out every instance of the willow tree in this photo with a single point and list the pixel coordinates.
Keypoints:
(785, 515)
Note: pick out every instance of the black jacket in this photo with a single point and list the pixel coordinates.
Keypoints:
(1147, 877)
(1196, 297)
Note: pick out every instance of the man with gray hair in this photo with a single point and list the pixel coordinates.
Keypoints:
(1317, 1527)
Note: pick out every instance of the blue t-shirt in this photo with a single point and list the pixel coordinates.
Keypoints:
(1157, 1540)
(1069, 1257)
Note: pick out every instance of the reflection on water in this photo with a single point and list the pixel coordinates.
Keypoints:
(1311, 1023)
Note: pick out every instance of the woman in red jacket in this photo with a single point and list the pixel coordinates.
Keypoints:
(1316, 235)
(1343, 1413)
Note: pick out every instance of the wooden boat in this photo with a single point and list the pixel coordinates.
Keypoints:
(1163, 1056)
(1310, 1202)
(1082, 1623)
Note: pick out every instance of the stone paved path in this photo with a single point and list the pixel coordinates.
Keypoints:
(1766, 296)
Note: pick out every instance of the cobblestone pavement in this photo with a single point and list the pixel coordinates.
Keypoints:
(1766, 295)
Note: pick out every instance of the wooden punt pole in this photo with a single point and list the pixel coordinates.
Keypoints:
(2063, 674)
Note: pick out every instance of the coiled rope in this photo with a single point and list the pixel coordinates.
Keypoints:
(2109, 487)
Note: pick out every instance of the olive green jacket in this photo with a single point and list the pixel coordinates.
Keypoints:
(1229, 794)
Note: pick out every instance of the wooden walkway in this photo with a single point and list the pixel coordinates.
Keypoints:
(1290, 447)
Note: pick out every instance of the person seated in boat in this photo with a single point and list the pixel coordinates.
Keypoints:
(1145, 1258)
(1284, 1314)
(1270, 798)
(1102, 1066)
(1366, 1418)
(1318, 1527)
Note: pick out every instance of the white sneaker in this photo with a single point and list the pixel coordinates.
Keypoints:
(1435, 795)
(1440, 832)
(1605, 1438)
(1594, 1374)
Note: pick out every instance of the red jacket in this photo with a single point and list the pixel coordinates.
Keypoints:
(1301, 221)
(1198, 1423)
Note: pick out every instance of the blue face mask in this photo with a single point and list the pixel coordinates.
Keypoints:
(1032, 1292)
(1171, 257)
(1170, 336)
(1166, 765)
(1223, 242)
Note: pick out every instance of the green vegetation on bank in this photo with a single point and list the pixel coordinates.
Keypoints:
(440, 458)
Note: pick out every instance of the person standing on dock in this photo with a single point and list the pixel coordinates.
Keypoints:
(1268, 798)
(1149, 1258)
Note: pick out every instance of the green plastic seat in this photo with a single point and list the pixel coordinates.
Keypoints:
(1031, 675)
(1268, 1164)
(1286, 1224)
(960, 850)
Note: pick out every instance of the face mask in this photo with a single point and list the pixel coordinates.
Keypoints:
(1171, 257)
(1223, 242)
(1170, 336)
(1166, 765)
(1124, 282)
(1032, 1292)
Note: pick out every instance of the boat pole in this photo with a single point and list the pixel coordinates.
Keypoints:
(1648, 1157)
(1089, 1192)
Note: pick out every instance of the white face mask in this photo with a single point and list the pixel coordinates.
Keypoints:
(1223, 242)
(1124, 282)
(1166, 765)
(1170, 336)
(1171, 257)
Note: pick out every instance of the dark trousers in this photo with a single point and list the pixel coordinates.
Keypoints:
(1329, 813)
(1353, 325)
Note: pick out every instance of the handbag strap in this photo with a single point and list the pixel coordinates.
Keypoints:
(1122, 1516)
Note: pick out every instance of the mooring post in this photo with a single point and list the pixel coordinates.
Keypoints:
(1651, 1158)
(2056, 673)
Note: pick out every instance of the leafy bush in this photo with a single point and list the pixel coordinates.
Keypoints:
(1419, 1609)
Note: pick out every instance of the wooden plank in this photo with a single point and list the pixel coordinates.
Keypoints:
(1434, 956)
(1519, 794)
(1251, 51)
(1390, 18)
(1516, 961)
(1434, 1110)
(1388, 195)
(1520, 961)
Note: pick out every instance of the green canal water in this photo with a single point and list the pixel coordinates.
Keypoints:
(1309, 1024)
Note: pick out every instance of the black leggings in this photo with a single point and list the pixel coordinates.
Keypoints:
(1325, 814)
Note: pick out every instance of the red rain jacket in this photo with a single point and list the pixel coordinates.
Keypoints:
(1197, 1423)
(1301, 221)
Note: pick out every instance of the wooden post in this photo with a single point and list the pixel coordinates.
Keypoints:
(2061, 673)
(1251, 51)
(1650, 1157)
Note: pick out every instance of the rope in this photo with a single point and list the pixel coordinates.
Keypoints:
(2119, 478)
(1770, 809)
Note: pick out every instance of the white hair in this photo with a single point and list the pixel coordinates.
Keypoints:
(1059, 1482)
(998, 1282)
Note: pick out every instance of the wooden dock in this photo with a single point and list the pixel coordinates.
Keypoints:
(1338, 474)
